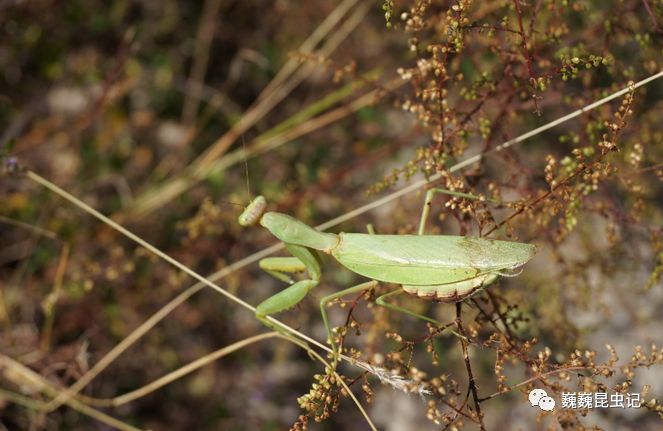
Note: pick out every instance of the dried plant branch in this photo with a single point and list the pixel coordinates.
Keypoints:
(468, 366)
(50, 302)
(204, 39)
(25, 377)
(177, 374)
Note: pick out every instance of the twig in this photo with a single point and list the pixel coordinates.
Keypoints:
(178, 373)
(468, 366)
(528, 56)
(342, 382)
(37, 230)
(51, 300)
(651, 15)
(546, 374)
(24, 376)
(201, 58)
(121, 58)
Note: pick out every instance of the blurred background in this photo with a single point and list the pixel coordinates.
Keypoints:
(170, 115)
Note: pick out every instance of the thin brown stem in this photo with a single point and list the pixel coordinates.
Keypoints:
(651, 15)
(551, 373)
(468, 366)
(201, 57)
(51, 300)
(526, 52)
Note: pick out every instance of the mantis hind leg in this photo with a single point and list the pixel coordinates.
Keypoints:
(429, 200)
(382, 302)
(323, 310)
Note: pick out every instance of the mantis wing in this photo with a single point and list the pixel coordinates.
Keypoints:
(428, 259)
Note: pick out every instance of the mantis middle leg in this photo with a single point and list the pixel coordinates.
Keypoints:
(442, 326)
(323, 310)
(422, 227)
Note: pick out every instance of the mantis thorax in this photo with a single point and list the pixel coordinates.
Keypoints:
(286, 228)
(293, 231)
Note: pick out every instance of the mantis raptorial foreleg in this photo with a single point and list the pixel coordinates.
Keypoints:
(281, 267)
(292, 295)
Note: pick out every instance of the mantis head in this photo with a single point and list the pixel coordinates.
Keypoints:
(253, 212)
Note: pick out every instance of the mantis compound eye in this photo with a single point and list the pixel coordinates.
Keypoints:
(253, 212)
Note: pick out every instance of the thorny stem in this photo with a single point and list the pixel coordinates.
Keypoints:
(509, 337)
(349, 318)
(468, 365)
(458, 410)
(482, 27)
(440, 98)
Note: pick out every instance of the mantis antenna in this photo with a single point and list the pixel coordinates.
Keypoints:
(246, 170)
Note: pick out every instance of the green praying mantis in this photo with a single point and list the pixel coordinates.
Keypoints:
(444, 268)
